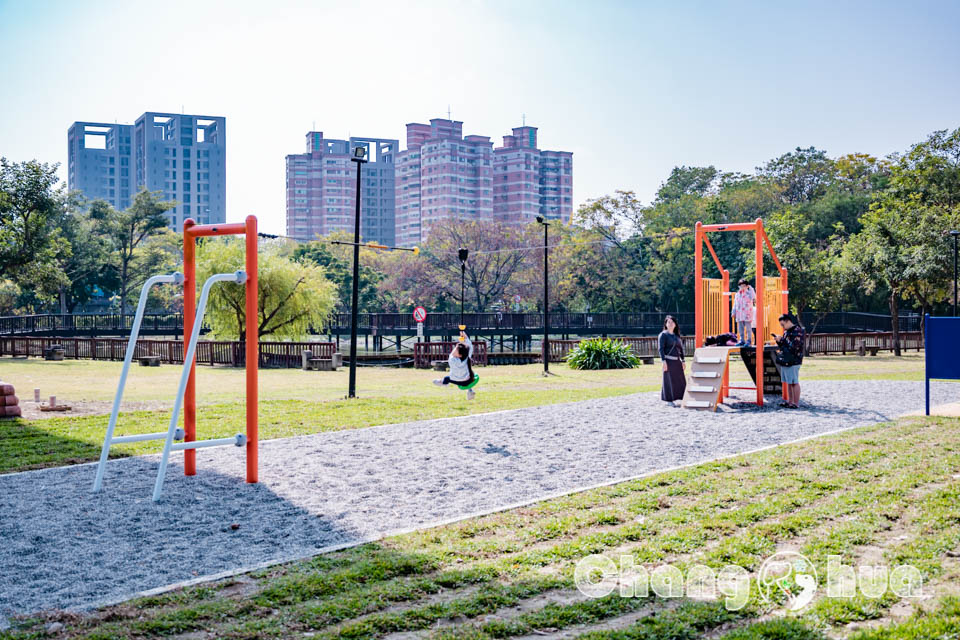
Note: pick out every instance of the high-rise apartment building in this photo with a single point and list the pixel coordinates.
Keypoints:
(442, 174)
(322, 184)
(183, 156)
(528, 182)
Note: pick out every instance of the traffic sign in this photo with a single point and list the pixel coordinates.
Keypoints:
(419, 314)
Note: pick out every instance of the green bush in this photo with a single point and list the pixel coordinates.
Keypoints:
(602, 353)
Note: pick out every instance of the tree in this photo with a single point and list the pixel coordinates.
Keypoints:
(802, 175)
(492, 264)
(87, 266)
(812, 263)
(31, 206)
(128, 230)
(683, 181)
(293, 297)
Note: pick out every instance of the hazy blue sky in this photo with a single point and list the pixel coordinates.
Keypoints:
(632, 88)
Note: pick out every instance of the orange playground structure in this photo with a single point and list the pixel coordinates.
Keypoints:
(713, 302)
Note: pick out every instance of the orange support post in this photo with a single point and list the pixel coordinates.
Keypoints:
(252, 337)
(698, 286)
(760, 339)
(725, 323)
(189, 313)
(192, 231)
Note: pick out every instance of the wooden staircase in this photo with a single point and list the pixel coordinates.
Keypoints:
(705, 382)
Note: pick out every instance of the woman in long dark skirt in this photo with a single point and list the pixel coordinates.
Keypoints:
(671, 354)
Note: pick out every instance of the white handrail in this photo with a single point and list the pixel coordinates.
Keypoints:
(173, 278)
(238, 277)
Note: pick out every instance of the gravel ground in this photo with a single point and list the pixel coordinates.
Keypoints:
(63, 547)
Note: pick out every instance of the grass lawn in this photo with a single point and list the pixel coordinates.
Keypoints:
(295, 402)
(886, 494)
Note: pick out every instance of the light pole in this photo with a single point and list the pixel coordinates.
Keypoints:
(358, 157)
(955, 234)
(546, 298)
(462, 254)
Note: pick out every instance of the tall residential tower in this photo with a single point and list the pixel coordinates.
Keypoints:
(183, 156)
(322, 183)
(442, 174)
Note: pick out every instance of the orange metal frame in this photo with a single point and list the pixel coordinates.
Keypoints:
(192, 231)
(723, 322)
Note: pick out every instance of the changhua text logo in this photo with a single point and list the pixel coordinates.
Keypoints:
(786, 578)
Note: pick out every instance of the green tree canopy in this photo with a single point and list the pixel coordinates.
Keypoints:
(293, 297)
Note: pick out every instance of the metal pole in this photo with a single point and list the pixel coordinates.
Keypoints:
(352, 390)
(463, 275)
(955, 234)
(546, 303)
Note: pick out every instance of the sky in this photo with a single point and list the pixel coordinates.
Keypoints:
(632, 88)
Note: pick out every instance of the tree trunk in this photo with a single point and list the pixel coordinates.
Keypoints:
(895, 322)
(63, 301)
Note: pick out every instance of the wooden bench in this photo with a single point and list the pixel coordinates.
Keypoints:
(438, 365)
(646, 359)
(149, 361)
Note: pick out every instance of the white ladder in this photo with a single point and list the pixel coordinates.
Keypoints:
(173, 278)
(173, 432)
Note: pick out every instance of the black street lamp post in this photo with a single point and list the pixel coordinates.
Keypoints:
(546, 298)
(462, 254)
(358, 157)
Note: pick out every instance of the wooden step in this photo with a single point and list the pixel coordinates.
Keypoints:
(701, 389)
(706, 360)
(698, 404)
(705, 374)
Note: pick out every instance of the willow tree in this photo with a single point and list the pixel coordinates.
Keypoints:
(293, 298)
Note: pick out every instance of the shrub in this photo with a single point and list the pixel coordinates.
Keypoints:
(602, 353)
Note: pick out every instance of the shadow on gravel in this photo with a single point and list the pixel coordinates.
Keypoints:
(67, 548)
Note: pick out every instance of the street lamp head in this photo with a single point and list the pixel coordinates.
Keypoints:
(462, 254)
(359, 152)
(955, 233)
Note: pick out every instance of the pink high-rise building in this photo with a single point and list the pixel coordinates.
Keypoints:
(322, 188)
(528, 182)
(442, 174)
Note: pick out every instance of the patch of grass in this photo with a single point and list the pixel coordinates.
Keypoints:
(511, 574)
(941, 624)
(785, 629)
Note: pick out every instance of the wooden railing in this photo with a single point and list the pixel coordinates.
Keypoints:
(288, 354)
(426, 352)
(272, 354)
(571, 323)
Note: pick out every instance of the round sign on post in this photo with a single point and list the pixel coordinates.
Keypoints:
(419, 314)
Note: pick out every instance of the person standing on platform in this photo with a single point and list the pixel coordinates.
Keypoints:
(742, 312)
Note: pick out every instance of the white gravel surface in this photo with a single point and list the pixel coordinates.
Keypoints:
(63, 547)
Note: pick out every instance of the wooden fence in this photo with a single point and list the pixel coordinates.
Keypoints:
(287, 354)
(272, 354)
(426, 352)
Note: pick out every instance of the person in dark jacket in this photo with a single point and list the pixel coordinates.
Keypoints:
(789, 358)
(671, 354)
